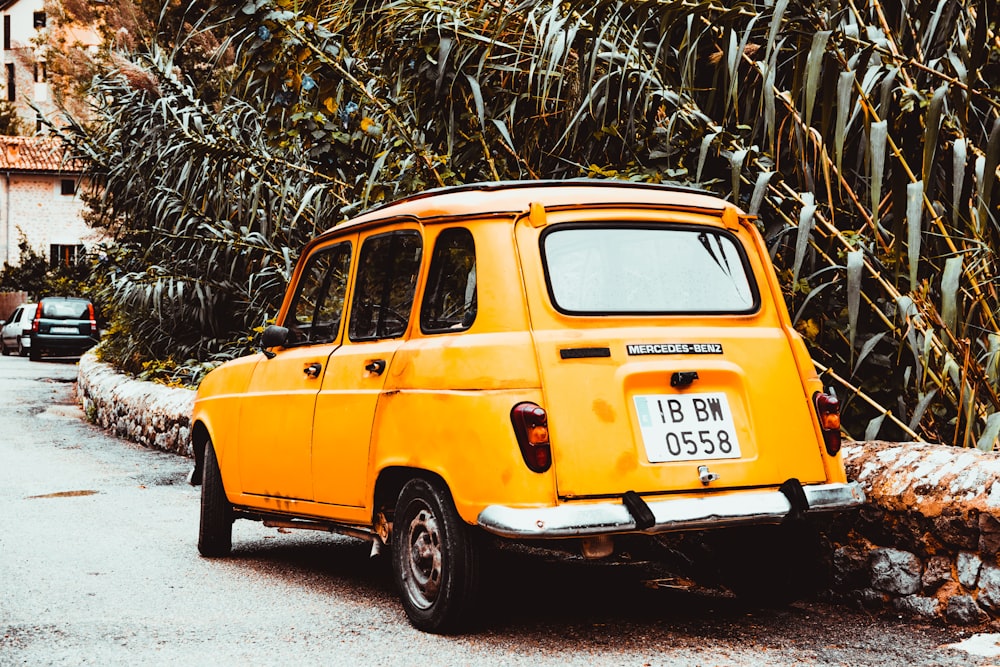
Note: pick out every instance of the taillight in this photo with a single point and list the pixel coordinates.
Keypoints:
(828, 411)
(531, 426)
(34, 320)
(93, 318)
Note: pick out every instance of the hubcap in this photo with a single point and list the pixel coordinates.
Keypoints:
(422, 562)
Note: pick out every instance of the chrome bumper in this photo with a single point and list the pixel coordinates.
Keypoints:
(671, 514)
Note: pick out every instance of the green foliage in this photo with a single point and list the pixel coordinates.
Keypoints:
(33, 274)
(866, 137)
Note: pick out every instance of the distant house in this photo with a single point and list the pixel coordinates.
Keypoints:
(38, 198)
(24, 76)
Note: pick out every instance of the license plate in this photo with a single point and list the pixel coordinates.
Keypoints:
(687, 427)
(64, 330)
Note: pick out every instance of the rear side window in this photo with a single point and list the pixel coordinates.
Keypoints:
(647, 270)
(66, 310)
(450, 302)
(387, 279)
(319, 298)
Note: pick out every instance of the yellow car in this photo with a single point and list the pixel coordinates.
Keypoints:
(563, 361)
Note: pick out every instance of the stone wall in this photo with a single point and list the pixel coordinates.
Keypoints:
(148, 413)
(926, 542)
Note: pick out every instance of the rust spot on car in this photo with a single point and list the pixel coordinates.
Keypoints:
(604, 411)
(627, 462)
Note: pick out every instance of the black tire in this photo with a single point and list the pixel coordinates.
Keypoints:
(4, 350)
(34, 352)
(436, 562)
(22, 351)
(215, 530)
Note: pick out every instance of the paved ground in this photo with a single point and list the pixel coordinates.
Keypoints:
(98, 567)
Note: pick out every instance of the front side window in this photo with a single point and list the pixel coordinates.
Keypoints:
(450, 301)
(647, 270)
(387, 279)
(318, 305)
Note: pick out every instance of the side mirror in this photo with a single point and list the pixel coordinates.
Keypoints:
(273, 336)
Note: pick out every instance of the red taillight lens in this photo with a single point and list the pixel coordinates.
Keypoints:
(531, 426)
(34, 320)
(828, 411)
(93, 318)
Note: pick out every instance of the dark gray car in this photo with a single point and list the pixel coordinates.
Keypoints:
(65, 326)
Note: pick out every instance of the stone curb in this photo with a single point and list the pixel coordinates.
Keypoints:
(148, 413)
(926, 542)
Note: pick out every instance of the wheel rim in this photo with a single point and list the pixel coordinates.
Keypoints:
(422, 562)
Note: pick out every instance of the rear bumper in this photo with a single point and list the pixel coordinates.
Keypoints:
(62, 343)
(671, 514)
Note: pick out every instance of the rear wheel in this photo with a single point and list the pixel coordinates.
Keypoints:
(22, 351)
(215, 531)
(435, 559)
(35, 353)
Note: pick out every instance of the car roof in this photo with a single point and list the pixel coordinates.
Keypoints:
(515, 197)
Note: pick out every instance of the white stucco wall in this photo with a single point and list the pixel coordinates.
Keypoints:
(35, 205)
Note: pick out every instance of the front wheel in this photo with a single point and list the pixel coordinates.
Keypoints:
(215, 531)
(4, 350)
(435, 560)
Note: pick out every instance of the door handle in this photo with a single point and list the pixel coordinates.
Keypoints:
(375, 366)
(313, 369)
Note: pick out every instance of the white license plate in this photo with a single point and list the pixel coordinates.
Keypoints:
(687, 427)
(64, 330)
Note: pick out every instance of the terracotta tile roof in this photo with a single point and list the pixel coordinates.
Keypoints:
(36, 154)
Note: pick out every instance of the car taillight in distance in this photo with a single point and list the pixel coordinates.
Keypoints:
(93, 318)
(531, 426)
(828, 411)
(38, 316)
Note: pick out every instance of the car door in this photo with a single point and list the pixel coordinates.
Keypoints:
(11, 328)
(381, 305)
(275, 428)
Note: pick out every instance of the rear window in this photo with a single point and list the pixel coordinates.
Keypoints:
(647, 270)
(66, 310)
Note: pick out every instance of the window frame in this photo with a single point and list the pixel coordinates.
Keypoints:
(322, 294)
(432, 284)
(385, 288)
(752, 279)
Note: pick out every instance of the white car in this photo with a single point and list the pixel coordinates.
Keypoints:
(16, 332)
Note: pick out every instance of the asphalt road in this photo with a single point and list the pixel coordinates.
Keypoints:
(98, 566)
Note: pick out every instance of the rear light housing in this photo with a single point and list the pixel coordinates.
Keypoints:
(828, 411)
(531, 426)
(38, 316)
(93, 318)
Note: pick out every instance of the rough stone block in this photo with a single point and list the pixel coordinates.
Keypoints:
(937, 572)
(895, 571)
(916, 605)
(989, 588)
(963, 610)
(968, 565)
(989, 535)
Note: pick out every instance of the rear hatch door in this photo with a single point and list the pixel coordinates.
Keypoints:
(664, 359)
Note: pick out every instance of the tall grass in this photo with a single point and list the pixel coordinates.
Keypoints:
(866, 136)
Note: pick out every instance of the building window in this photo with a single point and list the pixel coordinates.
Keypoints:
(39, 19)
(68, 186)
(41, 73)
(66, 255)
(6, 32)
(11, 89)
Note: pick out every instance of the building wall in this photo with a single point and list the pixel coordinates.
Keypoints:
(22, 56)
(35, 206)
